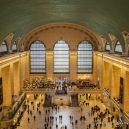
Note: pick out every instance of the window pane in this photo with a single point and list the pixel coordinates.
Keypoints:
(3, 48)
(107, 47)
(118, 47)
(85, 53)
(61, 57)
(14, 47)
(37, 57)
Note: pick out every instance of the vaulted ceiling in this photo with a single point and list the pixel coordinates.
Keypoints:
(101, 16)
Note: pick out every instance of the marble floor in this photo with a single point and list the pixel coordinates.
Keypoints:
(65, 111)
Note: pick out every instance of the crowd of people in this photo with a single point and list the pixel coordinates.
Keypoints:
(89, 111)
(86, 84)
(38, 83)
(89, 114)
(101, 118)
(49, 118)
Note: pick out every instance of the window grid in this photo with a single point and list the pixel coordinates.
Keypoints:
(118, 47)
(85, 57)
(37, 58)
(3, 49)
(14, 47)
(61, 57)
(107, 47)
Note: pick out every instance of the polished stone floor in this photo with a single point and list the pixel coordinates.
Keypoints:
(65, 111)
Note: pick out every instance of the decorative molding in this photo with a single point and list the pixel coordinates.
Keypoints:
(5, 60)
(81, 29)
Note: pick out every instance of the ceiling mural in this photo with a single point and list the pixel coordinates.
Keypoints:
(101, 16)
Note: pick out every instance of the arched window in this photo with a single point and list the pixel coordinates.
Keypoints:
(14, 47)
(3, 48)
(118, 47)
(61, 57)
(37, 57)
(107, 46)
(85, 57)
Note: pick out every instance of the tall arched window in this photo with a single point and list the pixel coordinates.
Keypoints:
(118, 47)
(85, 57)
(61, 57)
(14, 47)
(107, 46)
(37, 57)
(3, 48)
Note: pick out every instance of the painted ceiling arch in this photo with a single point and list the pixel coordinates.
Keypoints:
(103, 16)
(52, 32)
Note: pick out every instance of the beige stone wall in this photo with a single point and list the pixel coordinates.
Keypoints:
(49, 64)
(49, 34)
(13, 70)
(72, 34)
(115, 88)
(106, 75)
(99, 69)
(109, 70)
(126, 92)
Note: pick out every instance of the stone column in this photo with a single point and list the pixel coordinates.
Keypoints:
(16, 78)
(106, 74)
(115, 89)
(94, 67)
(73, 65)
(7, 86)
(110, 78)
(27, 70)
(100, 69)
(126, 92)
(49, 64)
(22, 70)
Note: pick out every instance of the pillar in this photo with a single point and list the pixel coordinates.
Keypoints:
(27, 65)
(94, 67)
(49, 64)
(115, 89)
(16, 78)
(22, 71)
(126, 92)
(73, 65)
(100, 70)
(106, 74)
(7, 86)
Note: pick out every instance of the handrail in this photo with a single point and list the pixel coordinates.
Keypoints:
(15, 107)
(126, 115)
